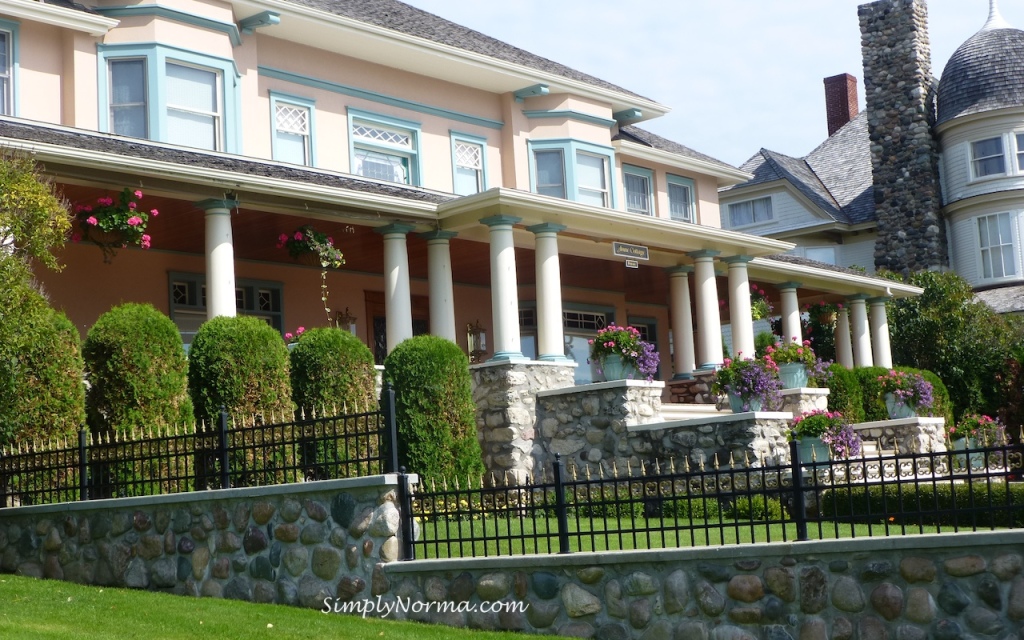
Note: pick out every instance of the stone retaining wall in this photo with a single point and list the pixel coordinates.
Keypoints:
(290, 544)
(758, 438)
(946, 587)
(696, 390)
(907, 435)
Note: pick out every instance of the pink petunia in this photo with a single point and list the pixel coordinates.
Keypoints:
(330, 240)
(154, 212)
(134, 221)
(76, 237)
(92, 220)
(288, 336)
(132, 205)
(300, 331)
(87, 208)
(298, 235)
(146, 241)
(282, 238)
(78, 208)
(138, 194)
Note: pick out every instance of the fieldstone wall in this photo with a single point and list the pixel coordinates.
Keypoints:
(943, 587)
(754, 438)
(907, 435)
(694, 391)
(293, 544)
(506, 412)
(797, 401)
(904, 154)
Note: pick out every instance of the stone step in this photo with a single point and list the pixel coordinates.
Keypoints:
(673, 412)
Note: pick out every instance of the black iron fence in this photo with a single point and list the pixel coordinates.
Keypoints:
(211, 456)
(663, 506)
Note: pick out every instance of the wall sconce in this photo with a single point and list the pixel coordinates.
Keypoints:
(345, 320)
(476, 341)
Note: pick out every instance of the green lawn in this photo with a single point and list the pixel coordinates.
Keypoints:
(49, 609)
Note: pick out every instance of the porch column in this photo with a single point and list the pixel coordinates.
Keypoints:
(550, 338)
(861, 336)
(844, 351)
(220, 258)
(439, 279)
(682, 322)
(739, 307)
(397, 295)
(790, 312)
(504, 289)
(880, 347)
(709, 323)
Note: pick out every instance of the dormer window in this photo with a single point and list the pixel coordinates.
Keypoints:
(749, 212)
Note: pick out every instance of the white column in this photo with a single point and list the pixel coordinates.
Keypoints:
(740, 316)
(220, 258)
(682, 322)
(397, 294)
(880, 347)
(844, 350)
(790, 312)
(709, 323)
(439, 278)
(504, 289)
(861, 336)
(550, 335)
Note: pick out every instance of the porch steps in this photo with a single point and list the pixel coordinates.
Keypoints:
(674, 412)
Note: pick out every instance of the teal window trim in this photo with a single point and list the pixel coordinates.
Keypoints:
(412, 153)
(277, 97)
(643, 173)
(380, 98)
(11, 28)
(569, 114)
(157, 56)
(170, 13)
(570, 148)
(196, 304)
(683, 182)
(456, 137)
(586, 307)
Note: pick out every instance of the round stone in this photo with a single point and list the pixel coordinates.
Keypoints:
(745, 588)
(887, 600)
(847, 595)
(545, 585)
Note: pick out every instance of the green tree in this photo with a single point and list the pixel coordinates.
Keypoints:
(34, 219)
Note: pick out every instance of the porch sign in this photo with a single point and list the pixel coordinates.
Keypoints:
(630, 251)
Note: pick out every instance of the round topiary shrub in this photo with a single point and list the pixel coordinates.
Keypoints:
(331, 369)
(240, 363)
(137, 371)
(434, 408)
(871, 392)
(844, 393)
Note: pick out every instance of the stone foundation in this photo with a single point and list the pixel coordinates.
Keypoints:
(906, 435)
(694, 391)
(797, 401)
(757, 438)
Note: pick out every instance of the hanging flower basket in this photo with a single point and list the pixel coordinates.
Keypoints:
(309, 258)
(101, 237)
(112, 224)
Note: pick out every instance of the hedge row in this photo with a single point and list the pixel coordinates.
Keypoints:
(978, 504)
(857, 394)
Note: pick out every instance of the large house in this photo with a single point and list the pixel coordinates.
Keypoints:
(929, 176)
(479, 192)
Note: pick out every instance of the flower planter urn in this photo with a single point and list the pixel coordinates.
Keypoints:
(812, 449)
(793, 375)
(614, 368)
(736, 402)
(977, 460)
(898, 409)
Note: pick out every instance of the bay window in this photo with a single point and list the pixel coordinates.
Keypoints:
(572, 170)
(995, 239)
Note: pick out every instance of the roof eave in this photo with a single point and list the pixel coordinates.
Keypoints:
(834, 281)
(724, 174)
(63, 17)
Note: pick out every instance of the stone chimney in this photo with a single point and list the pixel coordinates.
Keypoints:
(900, 103)
(840, 101)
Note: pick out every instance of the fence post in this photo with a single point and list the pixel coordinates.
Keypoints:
(83, 465)
(799, 504)
(222, 453)
(405, 505)
(560, 511)
(387, 401)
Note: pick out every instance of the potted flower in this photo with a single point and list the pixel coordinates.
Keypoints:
(749, 385)
(760, 308)
(795, 359)
(622, 355)
(975, 431)
(114, 224)
(905, 394)
(819, 432)
(309, 246)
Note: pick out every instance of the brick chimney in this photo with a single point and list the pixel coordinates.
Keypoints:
(840, 101)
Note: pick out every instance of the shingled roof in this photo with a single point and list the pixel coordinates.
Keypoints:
(642, 136)
(985, 73)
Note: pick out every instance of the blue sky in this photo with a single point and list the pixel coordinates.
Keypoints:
(738, 74)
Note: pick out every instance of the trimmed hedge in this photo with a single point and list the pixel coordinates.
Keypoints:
(331, 368)
(242, 364)
(137, 370)
(874, 404)
(434, 408)
(845, 394)
(965, 504)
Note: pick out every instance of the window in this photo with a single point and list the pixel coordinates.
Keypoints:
(638, 190)
(987, 157)
(293, 129)
(383, 148)
(469, 163)
(6, 72)
(252, 298)
(821, 254)
(193, 107)
(680, 199)
(749, 212)
(128, 97)
(1020, 152)
(995, 236)
(573, 170)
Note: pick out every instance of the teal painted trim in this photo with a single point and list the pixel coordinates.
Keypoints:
(457, 136)
(275, 98)
(737, 259)
(215, 203)
(258, 21)
(704, 253)
(570, 115)
(547, 227)
(413, 128)
(788, 285)
(643, 172)
(533, 91)
(437, 235)
(394, 228)
(878, 300)
(689, 184)
(683, 376)
(508, 356)
(12, 29)
(553, 358)
(628, 115)
(609, 312)
(570, 147)
(177, 15)
(679, 269)
(495, 221)
(858, 296)
(380, 98)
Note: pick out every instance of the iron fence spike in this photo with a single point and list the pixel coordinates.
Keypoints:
(672, 465)
(732, 461)
(896, 446)
(716, 462)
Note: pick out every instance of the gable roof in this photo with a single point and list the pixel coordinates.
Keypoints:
(642, 136)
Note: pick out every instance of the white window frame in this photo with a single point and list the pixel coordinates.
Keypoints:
(279, 100)
(467, 140)
(1018, 140)
(571, 150)
(9, 73)
(248, 300)
(985, 248)
(976, 161)
(640, 173)
(145, 92)
(603, 190)
(397, 154)
(691, 188)
(217, 115)
(753, 212)
(834, 249)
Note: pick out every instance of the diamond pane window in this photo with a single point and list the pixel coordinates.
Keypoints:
(469, 168)
(380, 134)
(292, 125)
